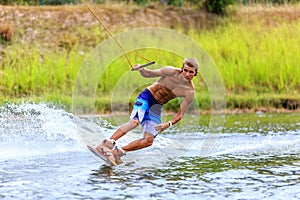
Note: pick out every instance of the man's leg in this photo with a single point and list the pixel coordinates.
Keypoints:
(146, 141)
(125, 128)
(121, 131)
(107, 146)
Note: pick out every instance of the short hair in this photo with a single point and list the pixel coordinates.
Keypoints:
(191, 62)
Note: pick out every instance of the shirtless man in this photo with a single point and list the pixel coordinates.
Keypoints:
(172, 82)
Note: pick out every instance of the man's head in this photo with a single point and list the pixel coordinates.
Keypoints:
(190, 63)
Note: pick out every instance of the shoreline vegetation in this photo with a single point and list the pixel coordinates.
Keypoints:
(254, 47)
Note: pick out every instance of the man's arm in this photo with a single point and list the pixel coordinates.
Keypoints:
(185, 104)
(164, 71)
(178, 116)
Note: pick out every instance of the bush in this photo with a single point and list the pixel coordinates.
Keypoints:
(6, 32)
(217, 6)
(140, 2)
(174, 3)
(59, 2)
(18, 2)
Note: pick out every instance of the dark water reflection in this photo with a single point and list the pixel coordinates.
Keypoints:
(227, 176)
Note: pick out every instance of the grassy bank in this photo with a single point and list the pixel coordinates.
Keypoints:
(257, 56)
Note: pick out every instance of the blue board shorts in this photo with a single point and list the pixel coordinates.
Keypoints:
(147, 110)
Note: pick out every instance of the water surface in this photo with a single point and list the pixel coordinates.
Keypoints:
(255, 156)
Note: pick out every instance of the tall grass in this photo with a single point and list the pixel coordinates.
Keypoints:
(254, 58)
(27, 71)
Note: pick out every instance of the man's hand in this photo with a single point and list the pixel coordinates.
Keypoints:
(139, 67)
(142, 70)
(136, 67)
(161, 127)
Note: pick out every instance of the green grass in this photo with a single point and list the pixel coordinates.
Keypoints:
(255, 57)
(27, 71)
(258, 63)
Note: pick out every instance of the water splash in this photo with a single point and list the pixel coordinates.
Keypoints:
(28, 130)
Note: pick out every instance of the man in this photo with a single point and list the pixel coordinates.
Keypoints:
(172, 82)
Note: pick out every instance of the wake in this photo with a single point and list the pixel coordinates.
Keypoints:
(29, 130)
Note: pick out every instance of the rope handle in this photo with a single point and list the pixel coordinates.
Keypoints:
(144, 65)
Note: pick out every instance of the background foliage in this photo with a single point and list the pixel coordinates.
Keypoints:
(255, 50)
(214, 6)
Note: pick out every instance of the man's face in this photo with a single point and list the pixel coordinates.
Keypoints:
(188, 73)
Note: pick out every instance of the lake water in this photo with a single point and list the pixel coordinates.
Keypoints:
(43, 156)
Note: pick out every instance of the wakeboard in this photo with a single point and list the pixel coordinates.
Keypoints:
(99, 155)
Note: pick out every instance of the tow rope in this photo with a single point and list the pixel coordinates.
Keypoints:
(122, 49)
